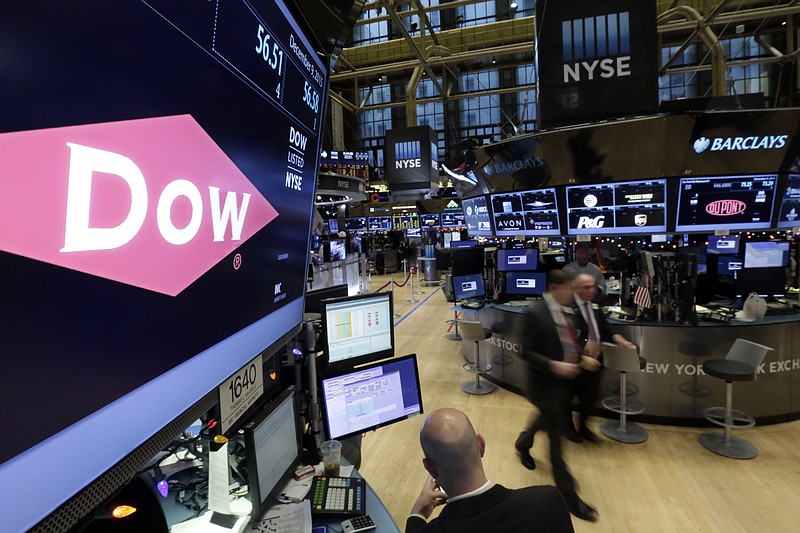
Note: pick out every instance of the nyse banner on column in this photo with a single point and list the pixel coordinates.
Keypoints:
(597, 59)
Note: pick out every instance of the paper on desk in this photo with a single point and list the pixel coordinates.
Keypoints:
(284, 518)
(219, 499)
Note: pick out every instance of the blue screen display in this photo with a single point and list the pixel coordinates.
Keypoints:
(468, 286)
(526, 283)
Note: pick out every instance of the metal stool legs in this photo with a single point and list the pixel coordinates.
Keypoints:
(477, 386)
(724, 443)
(621, 430)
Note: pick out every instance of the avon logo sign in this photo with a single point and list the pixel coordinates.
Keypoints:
(153, 203)
(724, 208)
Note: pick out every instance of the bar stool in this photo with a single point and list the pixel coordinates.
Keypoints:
(740, 364)
(623, 360)
(473, 331)
(454, 335)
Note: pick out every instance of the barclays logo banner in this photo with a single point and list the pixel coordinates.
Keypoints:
(738, 144)
(596, 47)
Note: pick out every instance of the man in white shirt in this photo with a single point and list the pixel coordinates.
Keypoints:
(581, 265)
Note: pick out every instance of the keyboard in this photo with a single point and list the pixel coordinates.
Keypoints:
(345, 496)
(472, 304)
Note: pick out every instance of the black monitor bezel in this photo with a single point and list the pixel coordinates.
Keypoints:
(527, 251)
(256, 498)
(352, 362)
(324, 406)
(521, 272)
(478, 274)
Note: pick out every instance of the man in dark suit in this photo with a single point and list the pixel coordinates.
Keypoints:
(453, 453)
(550, 347)
(593, 329)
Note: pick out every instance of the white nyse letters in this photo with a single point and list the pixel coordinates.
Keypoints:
(79, 237)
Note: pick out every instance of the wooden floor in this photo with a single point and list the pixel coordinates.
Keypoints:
(667, 484)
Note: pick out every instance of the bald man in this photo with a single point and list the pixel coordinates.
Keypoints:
(453, 459)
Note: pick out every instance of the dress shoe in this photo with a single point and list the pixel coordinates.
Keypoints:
(588, 435)
(572, 435)
(525, 457)
(583, 510)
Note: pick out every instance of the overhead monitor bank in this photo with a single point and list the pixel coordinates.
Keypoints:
(158, 174)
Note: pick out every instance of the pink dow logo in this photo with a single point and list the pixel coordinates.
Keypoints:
(724, 208)
(153, 203)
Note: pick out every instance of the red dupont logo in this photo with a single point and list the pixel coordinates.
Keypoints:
(153, 203)
(724, 208)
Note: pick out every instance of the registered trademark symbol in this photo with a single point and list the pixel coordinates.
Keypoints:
(237, 261)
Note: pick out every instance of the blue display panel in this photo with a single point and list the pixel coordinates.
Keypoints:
(172, 281)
(617, 208)
(477, 217)
(522, 259)
(355, 223)
(468, 286)
(453, 220)
(531, 213)
(429, 220)
(526, 283)
(379, 223)
(727, 244)
(725, 202)
(789, 213)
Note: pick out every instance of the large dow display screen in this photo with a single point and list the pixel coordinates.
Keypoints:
(725, 202)
(530, 213)
(617, 208)
(157, 175)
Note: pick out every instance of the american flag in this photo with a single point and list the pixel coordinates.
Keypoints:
(641, 295)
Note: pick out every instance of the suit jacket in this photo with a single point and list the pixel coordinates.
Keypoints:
(582, 328)
(501, 510)
(540, 345)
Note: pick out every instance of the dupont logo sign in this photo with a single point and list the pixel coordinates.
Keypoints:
(724, 208)
(152, 203)
(596, 47)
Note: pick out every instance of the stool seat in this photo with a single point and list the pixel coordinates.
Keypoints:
(473, 331)
(729, 370)
(623, 360)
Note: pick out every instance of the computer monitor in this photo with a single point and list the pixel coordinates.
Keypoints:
(334, 250)
(617, 208)
(414, 233)
(476, 215)
(273, 446)
(358, 330)
(468, 286)
(314, 298)
(728, 264)
(355, 223)
(463, 244)
(525, 259)
(766, 254)
(467, 261)
(766, 282)
(526, 283)
(381, 223)
(532, 213)
(727, 244)
(725, 202)
(371, 397)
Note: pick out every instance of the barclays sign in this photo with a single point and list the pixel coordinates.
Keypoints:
(738, 144)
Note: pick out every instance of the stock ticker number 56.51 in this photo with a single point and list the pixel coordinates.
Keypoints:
(272, 57)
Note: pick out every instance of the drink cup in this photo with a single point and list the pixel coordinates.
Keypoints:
(331, 457)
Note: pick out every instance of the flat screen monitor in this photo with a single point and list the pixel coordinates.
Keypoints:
(728, 264)
(414, 233)
(766, 254)
(476, 215)
(371, 397)
(515, 259)
(617, 208)
(272, 448)
(466, 261)
(314, 298)
(727, 244)
(453, 220)
(379, 223)
(725, 202)
(789, 213)
(766, 282)
(532, 213)
(468, 286)
(334, 250)
(429, 220)
(358, 330)
(355, 223)
(333, 225)
(526, 283)
(463, 244)
(186, 261)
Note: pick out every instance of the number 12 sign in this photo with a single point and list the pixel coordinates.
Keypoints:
(239, 392)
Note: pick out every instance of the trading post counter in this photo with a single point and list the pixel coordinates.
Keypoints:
(672, 385)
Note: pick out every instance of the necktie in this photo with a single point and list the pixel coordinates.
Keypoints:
(590, 322)
(569, 340)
